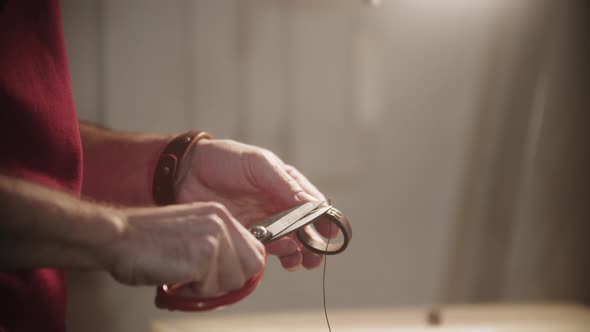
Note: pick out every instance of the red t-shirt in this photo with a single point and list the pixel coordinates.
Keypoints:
(39, 142)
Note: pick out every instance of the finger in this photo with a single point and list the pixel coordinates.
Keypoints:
(282, 247)
(292, 262)
(206, 281)
(222, 263)
(288, 252)
(164, 215)
(323, 224)
(310, 260)
(249, 251)
(325, 227)
(305, 184)
(269, 174)
(156, 268)
(232, 274)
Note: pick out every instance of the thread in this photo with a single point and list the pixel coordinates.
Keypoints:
(324, 280)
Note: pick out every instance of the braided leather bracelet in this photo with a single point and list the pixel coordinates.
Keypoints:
(166, 173)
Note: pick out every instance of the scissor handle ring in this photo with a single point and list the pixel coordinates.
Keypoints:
(312, 241)
(167, 299)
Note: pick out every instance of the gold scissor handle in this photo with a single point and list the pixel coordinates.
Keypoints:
(317, 243)
(310, 237)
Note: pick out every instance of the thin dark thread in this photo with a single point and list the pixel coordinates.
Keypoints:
(324, 279)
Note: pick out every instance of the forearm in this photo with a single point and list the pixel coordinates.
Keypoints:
(118, 167)
(40, 227)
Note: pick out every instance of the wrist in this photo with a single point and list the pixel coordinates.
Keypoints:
(173, 165)
(110, 233)
(118, 167)
(41, 227)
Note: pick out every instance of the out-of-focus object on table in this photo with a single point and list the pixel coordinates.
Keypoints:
(540, 317)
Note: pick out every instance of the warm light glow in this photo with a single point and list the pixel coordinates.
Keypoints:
(454, 6)
(372, 3)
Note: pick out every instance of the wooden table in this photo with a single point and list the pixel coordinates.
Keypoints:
(466, 318)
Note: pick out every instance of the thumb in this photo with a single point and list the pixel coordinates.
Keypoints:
(273, 178)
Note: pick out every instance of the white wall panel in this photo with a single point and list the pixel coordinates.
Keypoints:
(213, 62)
(82, 26)
(323, 85)
(264, 86)
(145, 69)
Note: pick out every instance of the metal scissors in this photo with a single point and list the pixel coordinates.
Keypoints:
(267, 231)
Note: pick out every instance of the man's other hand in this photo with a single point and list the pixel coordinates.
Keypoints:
(199, 244)
(253, 183)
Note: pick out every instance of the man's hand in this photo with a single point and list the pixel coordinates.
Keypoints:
(253, 184)
(200, 245)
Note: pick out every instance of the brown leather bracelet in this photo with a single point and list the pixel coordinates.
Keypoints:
(166, 173)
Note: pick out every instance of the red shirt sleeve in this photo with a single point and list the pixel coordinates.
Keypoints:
(39, 142)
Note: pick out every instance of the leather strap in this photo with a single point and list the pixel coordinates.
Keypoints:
(166, 173)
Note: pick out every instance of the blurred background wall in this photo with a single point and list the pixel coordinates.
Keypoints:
(523, 226)
(430, 123)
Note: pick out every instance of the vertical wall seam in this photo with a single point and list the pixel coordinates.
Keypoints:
(241, 43)
(189, 58)
(287, 86)
(101, 64)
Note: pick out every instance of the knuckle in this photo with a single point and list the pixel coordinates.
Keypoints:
(181, 271)
(272, 158)
(215, 225)
(256, 265)
(203, 254)
(260, 249)
(233, 281)
(253, 264)
(207, 247)
(294, 185)
(262, 156)
(265, 153)
(230, 141)
(218, 209)
(193, 205)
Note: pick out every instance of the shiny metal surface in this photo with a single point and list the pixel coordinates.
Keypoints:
(292, 220)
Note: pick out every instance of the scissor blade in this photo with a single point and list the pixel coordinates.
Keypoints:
(292, 217)
(304, 221)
